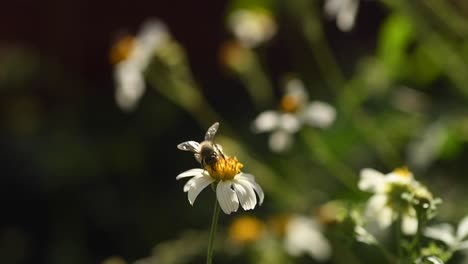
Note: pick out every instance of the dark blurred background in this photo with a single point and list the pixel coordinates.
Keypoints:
(80, 180)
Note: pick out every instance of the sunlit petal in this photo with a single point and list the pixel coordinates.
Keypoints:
(280, 141)
(434, 260)
(371, 180)
(443, 232)
(248, 179)
(462, 230)
(303, 236)
(198, 184)
(462, 246)
(266, 121)
(290, 123)
(385, 217)
(409, 224)
(295, 89)
(246, 194)
(130, 84)
(347, 16)
(319, 114)
(227, 197)
(190, 173)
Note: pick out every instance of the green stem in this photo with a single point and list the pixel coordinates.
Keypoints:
(214, 224)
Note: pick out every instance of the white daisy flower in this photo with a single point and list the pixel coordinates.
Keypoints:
(389, 200)
(304, 236)
(295, 111)
(233, 187)
(344, 11)
(251, 26)
(444, 232)
(131, 56)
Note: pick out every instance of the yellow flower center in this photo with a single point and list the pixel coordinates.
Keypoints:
(245, 229)
(289, 104)
(403, 172)
(225, 168)
(121, 49)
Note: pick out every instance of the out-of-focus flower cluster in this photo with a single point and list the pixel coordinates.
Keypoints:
(319, 147)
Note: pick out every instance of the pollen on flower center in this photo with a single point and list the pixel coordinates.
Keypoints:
(224, 168)
(289, 104)
(122, 49)
(403, 172)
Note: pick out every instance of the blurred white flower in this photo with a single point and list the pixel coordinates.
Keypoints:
(364, 236)
(232, 185)
(304, 236)
(131, 56)
(344, 11)
(389, 202)
(455, 240)
(251, 26)
(295, 111)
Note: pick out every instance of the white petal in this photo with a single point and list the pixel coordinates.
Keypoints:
(434, 260)
(251, 28)
(227, 197)
(152, 35)
(377, 209)
(249, 179)
(347, 15)
(295, 88)
(198, 184)
(443, 232)
(266, 121)
(319, 114)
(409, 225)
(462, 246)
(332, 7)
(371, 180)
(130, 84)
(246, 194)
(192, 181)
(462, 230)
(303, 236)
(385, 217)
(192, 146)
(289, 122)
(191, 173)
(280, 141)
(375, 204)
(364, 236)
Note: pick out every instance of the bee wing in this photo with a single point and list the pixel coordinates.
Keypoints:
(192, 146)
(219, 149)
(211, 132)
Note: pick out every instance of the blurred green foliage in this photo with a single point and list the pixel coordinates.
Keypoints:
(83, 181)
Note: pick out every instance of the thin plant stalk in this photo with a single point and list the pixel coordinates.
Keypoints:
(214, 224)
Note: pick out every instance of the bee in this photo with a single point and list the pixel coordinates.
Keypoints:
(207, 153)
